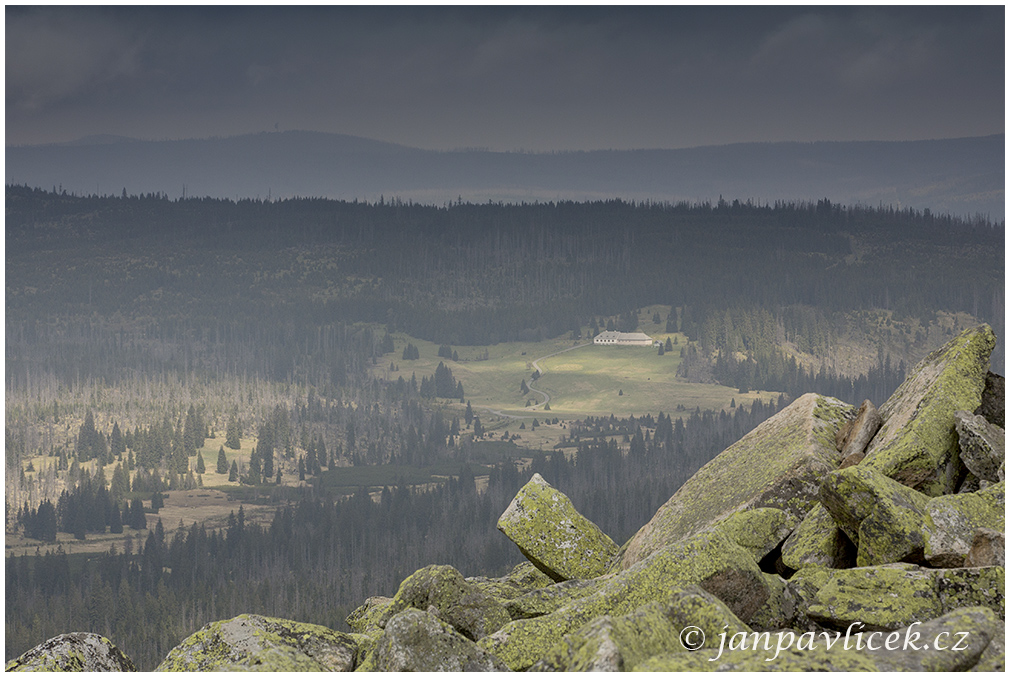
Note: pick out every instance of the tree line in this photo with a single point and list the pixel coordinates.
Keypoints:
(323, 555)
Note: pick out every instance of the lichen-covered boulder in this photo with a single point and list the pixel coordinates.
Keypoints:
(993, 406)
(252, 643)
(73, 652)
(709, 559)
(779, 464)
(759, 530)
(887, 521)
(543, 601)
(610, 644)
(928, 647)
(552, 534)
(522, 580)
(415, 641)
(956, 518)
(988, 548)
(892, 596)
(977, 586)
(443, 590)
(366, 617)
(917, 444)
(983, 445)
(932, 645)
(818, 541)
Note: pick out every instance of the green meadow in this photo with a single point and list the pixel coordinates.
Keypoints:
(588, 380)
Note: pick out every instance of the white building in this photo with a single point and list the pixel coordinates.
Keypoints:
(620, 338)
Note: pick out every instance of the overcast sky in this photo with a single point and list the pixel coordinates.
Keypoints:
(507, 78)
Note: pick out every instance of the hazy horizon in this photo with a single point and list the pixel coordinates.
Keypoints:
(536, 79)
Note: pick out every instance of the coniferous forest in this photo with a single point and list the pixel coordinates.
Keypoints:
(140, 330)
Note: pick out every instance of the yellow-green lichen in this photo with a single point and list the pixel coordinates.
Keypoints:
(880, 598)
(551, 533)
(917, 444)
(257, 643)
(779, 464)
(464, 606)
(817, 541)
(366, 617)
(622, 642)
(759, 530)
(73, 652)
(709, 559)
(886, 520)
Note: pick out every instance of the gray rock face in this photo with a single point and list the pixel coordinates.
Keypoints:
(993, 406)
(866, 425)
(779, 464)
(917, 445)
(983, 445)
(988, 548)
(415, 641)
(73, 652)
(552, 534)
(252, 643)
(955, 519)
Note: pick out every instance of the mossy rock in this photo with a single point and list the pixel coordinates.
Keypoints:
(543, 601)
(979, 647)
(609, 644)
(522, 580)
(957, 517)
(416, 641)
(971, 630)
(779, 465)
(892, 596)
(880, 598)
(551, 533)
(818, 541)
(252, 643)
(73, 652)
(975, 586)
(759, 530)
(620, 643)
(709, 559)
(886, 520)
(366, 617)
(917, 445)
(462, 605)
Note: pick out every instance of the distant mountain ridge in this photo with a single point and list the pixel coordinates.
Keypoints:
(959, 176)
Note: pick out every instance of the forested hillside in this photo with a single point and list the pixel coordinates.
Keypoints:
(218, 273)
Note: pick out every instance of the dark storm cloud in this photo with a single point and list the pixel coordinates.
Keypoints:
(538, 78)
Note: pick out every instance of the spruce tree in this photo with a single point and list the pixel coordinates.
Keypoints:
(200, 467)
(222, 462)
(233, 432)
(233, 472)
